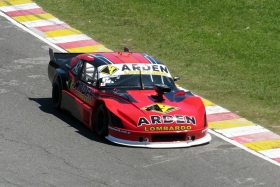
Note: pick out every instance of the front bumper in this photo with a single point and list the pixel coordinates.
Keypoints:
(207, 138)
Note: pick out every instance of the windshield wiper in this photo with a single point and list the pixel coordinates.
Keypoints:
(142, 84)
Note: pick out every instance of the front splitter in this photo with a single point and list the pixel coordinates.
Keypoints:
(201, 141)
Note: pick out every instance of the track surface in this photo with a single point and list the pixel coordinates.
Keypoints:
(42, 147)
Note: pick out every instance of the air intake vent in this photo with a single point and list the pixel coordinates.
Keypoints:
(168, 137)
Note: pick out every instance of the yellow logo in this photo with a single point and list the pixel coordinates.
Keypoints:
(109, 70)
(160, 108)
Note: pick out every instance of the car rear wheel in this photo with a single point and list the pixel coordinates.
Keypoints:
(56, 94)
(101, 123)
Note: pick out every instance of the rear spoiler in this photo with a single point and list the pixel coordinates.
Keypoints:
(54, 56)
(51, 53)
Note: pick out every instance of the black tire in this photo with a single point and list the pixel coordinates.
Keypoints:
(56, 93)
(101, 122)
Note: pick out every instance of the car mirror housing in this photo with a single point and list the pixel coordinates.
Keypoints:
(176, 78)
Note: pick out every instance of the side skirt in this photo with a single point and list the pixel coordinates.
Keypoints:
(77, 108)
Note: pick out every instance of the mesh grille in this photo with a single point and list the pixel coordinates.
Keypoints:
(168, 137)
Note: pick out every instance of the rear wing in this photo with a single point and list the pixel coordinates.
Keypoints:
(51, 53)
(55, 56)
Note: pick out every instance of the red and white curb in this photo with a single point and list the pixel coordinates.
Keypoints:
(58, 34)
(33, 17)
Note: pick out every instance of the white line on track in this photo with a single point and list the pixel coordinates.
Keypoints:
(70, 38)
(39, 23)
(215, 110)
(210, 131)
(32, 33)
(271, 153)
(243, 147)
(241, 131)
(19, 7)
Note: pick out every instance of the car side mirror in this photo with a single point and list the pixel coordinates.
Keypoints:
(176, 78)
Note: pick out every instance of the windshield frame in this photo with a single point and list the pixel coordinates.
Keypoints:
(133, 76)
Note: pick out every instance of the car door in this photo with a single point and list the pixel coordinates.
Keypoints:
(82, 88)
(83, 82)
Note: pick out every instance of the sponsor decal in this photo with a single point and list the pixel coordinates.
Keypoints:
(168, 128)
(167, 119)
(119, 130)
(160, 108)
(83, 91)
(133, 69)
(109, 70)
(145, 72)
(137, 67)
(204, 130)
(145, 69)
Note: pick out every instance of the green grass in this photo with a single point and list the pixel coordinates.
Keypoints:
(226, 51)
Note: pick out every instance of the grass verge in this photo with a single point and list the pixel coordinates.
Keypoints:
(226, 51)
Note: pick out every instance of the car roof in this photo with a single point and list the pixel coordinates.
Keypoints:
(105, 58)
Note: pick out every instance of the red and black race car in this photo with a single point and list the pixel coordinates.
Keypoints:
(129, 98)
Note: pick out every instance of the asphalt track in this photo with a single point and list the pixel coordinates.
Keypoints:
(222, 123)
(42, 147)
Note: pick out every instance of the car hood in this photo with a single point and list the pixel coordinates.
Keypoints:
(139, 109)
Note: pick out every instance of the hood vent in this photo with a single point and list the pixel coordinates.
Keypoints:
(160, 89)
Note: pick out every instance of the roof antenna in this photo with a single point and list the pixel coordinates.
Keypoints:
(125, 49)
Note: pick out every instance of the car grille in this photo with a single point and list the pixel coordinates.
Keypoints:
(168, 137)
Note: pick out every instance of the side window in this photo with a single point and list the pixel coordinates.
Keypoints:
(89, 74)
(76, 69)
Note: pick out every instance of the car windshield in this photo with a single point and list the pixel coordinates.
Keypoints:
(135, 81)
(135, 76)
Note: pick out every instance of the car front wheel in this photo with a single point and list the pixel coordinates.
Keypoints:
(101, 123)
(56, 94)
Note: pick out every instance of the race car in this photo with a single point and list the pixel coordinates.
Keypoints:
(127, 97)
